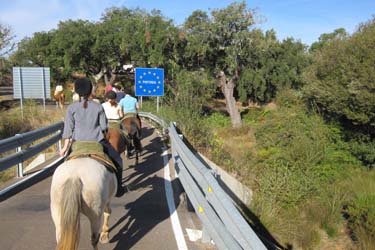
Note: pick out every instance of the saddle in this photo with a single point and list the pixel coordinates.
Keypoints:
(92, 150)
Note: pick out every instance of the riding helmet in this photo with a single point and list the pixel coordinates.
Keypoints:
(83, 86)
(111, 94)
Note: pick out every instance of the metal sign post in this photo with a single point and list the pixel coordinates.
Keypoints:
(44, 89)
(157, 104)
(21, 92)
(149, 82)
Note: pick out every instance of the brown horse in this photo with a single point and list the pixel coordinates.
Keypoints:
(60, 99)
(116, 137)
(132, 126)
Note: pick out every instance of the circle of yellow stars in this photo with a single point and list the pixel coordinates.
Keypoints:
(152, 90)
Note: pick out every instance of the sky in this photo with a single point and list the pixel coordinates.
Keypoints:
(303, 20)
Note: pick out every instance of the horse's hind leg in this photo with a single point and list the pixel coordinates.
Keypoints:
(104, 235)
(55, 213)
(95, 227)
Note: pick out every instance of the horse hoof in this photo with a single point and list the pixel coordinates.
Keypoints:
(104, 239)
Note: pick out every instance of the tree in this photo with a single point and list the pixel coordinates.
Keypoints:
(6, 40)
(197, 49)
(65, 50)
(133, 36)
(325, 38)
(216, 43)
(269, 66)
(6, 46)
(341, 79)
(70, 48)
(229, 32)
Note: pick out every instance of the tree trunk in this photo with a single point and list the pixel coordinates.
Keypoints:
(99, 75)
(227, 87)
(111, 79)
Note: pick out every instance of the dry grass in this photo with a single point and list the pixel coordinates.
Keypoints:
(237, 142)
(34, 117)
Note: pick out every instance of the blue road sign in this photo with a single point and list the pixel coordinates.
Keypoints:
(149, 82)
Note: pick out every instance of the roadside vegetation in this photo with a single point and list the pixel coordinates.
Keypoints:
(34, 117)
(294, 123)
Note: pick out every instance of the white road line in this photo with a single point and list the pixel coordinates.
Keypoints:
(180, 239)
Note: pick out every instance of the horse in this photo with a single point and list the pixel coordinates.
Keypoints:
(132, 125)
(115, 137)
(74, 189)
(83, 185)
(59, 98)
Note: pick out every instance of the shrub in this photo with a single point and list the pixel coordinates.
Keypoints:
(361, 213)
(218, 120)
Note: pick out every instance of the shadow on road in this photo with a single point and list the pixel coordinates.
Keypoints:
(143, 214)
(147, 211)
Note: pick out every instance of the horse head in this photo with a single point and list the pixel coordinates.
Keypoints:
(132, 126)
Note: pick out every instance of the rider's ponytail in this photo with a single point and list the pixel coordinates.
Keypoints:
(85, 98)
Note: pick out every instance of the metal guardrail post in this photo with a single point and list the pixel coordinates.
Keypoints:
(20, 164)
(59, 145)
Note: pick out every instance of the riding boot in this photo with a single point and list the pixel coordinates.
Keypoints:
(140, 126)
(120, 189)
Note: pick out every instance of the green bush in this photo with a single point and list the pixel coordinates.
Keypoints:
(218, 120)
(363, 147)
(361, 212)
(340, 79)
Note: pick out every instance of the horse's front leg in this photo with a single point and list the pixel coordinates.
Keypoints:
(104, 235)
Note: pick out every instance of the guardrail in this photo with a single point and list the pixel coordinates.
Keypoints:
(16, 142)
(221, 220)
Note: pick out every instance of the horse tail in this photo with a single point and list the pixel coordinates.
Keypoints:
(70, 215)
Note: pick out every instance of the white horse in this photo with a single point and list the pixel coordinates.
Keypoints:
(81, 185)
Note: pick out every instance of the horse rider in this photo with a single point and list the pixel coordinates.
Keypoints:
(119, 92)
(129, 104)
(58, 90)
(112, 109)
(85, 120)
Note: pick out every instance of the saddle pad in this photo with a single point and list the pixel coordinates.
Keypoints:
(128, 115)
(93, 150)
(117, 125)
(114, 124)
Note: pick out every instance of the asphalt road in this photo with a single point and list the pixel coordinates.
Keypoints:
(140, 219)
